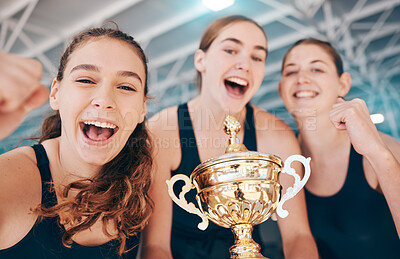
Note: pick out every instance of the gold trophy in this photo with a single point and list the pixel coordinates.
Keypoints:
(238, 190)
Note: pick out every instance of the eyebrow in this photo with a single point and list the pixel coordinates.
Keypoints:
(85, 67)
(318, 60)
(94, 68)
(241, 43)
(129, 74)
(312, 62)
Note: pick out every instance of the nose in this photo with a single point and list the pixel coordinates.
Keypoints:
(103, 98)
(303, 77)
(243, 62)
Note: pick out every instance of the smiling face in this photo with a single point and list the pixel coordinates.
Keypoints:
(101, 99)
(310, 83)
(233, 67)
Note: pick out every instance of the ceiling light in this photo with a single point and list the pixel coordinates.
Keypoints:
(377, 118)
(217, 5)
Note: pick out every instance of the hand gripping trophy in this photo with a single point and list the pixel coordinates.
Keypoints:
(239, 189)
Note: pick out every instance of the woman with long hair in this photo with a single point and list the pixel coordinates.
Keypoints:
(231, 65)
(82, 191)
(353, 194)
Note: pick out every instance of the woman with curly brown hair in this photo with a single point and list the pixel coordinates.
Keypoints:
(82, 191)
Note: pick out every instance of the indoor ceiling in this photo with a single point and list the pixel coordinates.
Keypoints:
(366, 32)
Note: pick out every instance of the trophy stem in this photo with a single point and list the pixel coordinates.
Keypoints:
(245, 246)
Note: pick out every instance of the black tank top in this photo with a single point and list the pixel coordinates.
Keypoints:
(355, 222)
(187, 241)
(44, 239)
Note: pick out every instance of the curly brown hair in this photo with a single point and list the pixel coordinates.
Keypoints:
(118, 194)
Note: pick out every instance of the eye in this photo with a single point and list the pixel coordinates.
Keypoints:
(289, 73)
(127, 88)
(316, 70)
(230, 51)
(85, 81)
(257, 59)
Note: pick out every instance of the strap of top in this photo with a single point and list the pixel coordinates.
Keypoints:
(250, 139)
(49, 198)
(188, 139)
(355, 174)
(186, 135)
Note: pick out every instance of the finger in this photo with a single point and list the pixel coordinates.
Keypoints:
(20, 79)
(37, 99)
(340, 100)
(337, 118)
(10, 121)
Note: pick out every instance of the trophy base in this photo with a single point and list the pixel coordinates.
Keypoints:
(245, 246)
(244, 256)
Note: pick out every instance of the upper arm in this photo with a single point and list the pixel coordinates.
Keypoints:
(19, 193)
(156, 236)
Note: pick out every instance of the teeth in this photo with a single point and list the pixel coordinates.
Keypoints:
(237, 81)
(305, 94)
(100, 124)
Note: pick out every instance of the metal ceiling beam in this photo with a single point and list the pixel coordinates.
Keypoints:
(96, 18)
(20, 25)
(31, 28)
(190, 48)
(13, 8)
(372, 33)
(168, 25)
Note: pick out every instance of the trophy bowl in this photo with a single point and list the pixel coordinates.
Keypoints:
(238, 190)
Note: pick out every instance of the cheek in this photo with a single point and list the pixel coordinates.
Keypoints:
(260, 72)
(132, 115)
(284, 89)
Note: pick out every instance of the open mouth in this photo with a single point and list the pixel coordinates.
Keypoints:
(305, 94)
(98, 131)
(235, 86)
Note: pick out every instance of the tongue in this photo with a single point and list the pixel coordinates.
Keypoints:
(235, 90)
(97, 133)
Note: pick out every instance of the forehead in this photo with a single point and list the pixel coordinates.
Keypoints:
(308, 53)
(108, 53)
(244, 31)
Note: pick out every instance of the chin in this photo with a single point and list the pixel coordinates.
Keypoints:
(97, 157)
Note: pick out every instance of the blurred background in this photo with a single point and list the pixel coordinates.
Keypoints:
(366, 32)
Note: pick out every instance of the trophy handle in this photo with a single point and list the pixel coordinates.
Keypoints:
(181, 201)
(298, 184)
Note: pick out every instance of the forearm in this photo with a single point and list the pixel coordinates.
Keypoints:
(387, 170)
(301, 247)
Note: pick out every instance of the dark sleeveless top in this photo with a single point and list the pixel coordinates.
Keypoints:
(44, 239)
(355, 222)
(187, 241)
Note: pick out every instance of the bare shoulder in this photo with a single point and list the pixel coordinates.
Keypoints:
(20, 190)
(164, 131)
(274, 136)
(164, 122)
(18, 162)
(18, 173)
(267, 121)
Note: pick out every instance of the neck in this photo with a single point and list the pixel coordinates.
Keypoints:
(70, 166)
(211, 115)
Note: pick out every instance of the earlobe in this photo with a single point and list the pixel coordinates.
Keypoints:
(54, 95)
(279, 89)
(345, 84)
(144, 110)
(199, 60)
